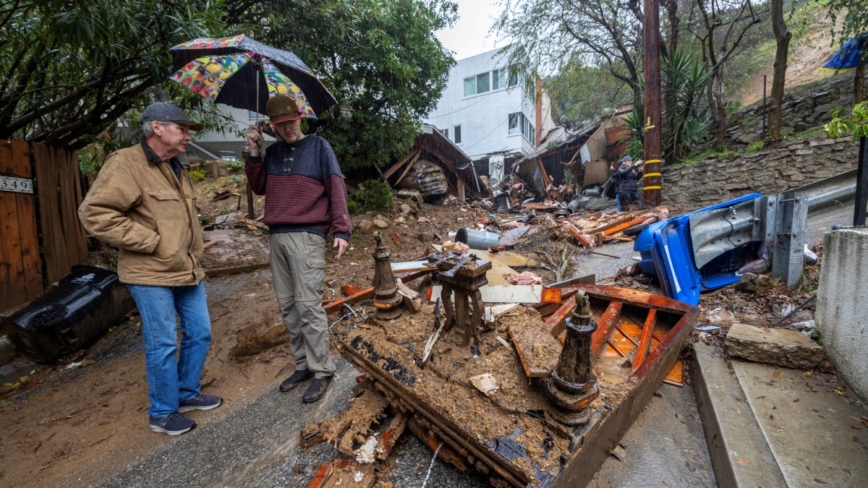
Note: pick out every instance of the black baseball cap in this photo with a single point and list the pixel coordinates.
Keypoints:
(627, 158)
(167, 112)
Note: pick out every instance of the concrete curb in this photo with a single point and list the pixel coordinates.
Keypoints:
(739, 453)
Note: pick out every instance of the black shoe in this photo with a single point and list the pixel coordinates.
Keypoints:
(296, 378)
(200, 402)
(316, 389)
(173, 424)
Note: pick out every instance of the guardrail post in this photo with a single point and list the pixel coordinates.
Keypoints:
(791, 222)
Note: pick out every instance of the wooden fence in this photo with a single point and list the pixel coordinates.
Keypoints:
(40, 235)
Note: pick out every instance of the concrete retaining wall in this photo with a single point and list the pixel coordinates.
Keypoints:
(788, 165)
(842, 305)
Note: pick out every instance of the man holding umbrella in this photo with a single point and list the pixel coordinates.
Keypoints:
(305, 198)
(142, 203)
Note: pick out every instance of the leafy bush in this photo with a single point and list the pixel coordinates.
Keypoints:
(372, 195)
(197, 175)
(733, 106)
(856, 124)
(234, 165)
(237, 179)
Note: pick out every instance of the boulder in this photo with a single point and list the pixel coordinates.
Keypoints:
(780, 347)
(365, 226)
(406, 209)
(754, 283)
(381, 223)
(258, 338)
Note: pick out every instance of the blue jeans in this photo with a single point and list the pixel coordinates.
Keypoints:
(171, 380)
(618, 201)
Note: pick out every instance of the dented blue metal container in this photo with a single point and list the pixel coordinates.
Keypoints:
(667, 250)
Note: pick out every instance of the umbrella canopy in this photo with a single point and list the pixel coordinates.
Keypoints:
(848, 56)
(229, 70)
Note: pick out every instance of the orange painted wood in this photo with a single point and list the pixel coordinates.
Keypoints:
(604, 327)
(584, 240)
(335, 305)
(626, 225)
(676, 375)
(321, 476)
(645, 339)
(613, 223)
(555, 323)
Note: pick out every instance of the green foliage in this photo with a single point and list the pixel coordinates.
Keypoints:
(856, 124)
(197, 175)
(71, 68)
(585, 93)
(733, 106)
(234, 165)
(380, 59)
(372, 195)
(237, 179)
(755, 147)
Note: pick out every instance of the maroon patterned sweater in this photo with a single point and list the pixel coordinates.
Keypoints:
(303, 187)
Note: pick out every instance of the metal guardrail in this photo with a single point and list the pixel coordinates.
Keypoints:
(827, 192)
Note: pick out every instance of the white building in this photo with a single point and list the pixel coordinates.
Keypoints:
(484, 111)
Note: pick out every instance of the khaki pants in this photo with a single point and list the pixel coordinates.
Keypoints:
(298, 269)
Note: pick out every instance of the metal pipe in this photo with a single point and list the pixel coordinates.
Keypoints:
(477, 239)
(764, 106)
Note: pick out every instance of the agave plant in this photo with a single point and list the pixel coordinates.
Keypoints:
(685, 114)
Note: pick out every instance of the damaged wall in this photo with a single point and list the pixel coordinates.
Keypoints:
(788, 165)
(842, 305)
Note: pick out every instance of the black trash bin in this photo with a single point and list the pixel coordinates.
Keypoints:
(76, 312)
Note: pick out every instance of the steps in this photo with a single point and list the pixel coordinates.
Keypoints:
(776, 427)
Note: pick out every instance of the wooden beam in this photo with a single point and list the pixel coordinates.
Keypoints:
(604, 326)
(461, 195)
(555, 323)
(409, 167)
(397, 166)
(645, 339)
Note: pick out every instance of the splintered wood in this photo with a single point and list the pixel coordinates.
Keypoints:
(353, 424)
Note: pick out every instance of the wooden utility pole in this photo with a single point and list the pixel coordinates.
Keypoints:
(653, 120)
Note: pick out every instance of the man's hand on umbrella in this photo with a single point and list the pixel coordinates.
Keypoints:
(341, 245)
(254, 141)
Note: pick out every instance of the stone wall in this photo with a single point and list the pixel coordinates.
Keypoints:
(803, 108)
(788, 165)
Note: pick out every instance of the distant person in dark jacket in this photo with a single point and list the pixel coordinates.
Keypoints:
(305, 198)
(628, 176)
(613, 182)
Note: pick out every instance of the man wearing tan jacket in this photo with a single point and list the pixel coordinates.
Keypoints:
(142, 203)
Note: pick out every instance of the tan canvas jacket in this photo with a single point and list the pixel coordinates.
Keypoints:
(138, 205)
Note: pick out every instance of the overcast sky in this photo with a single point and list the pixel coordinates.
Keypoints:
(469, 36)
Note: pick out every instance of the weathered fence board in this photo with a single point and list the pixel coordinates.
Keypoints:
(49, 213)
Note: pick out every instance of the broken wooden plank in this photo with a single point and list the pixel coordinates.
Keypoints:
(537, 351)
(408, 168)
(624, 226)
(555, 324)
(604, 326)
(583, 239)
(645, 339)
(510, 294)
(613, 223)
(400, 163)
(676, 375)
(397, 238)
(390, 436)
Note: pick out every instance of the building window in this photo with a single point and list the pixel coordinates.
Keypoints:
(457, 134)
(519, 124)
(446, 133)
(476, 84)
(498, 78)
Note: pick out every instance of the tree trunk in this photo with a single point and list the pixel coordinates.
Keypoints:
(718, 108)
(782, 40)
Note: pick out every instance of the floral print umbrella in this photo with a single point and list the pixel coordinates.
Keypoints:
(243, 73)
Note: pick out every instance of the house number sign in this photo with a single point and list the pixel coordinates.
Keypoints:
(16, 185)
